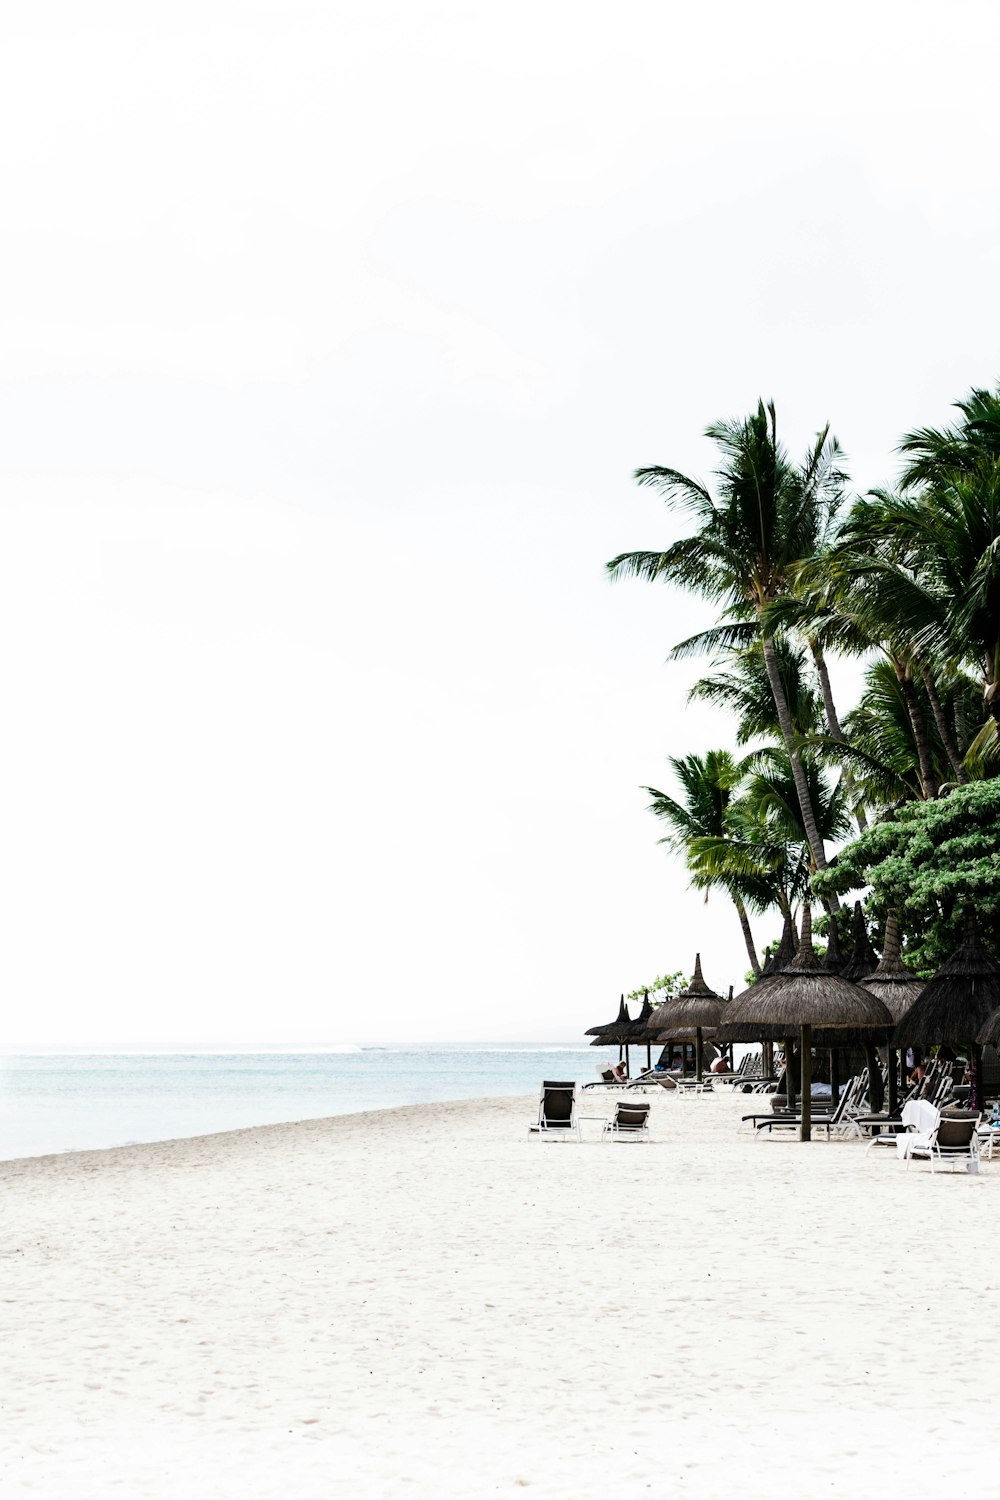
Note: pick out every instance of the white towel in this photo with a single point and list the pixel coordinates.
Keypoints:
(920, 1117)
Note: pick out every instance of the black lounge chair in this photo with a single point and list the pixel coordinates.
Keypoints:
(630, 1123)
(823, 1118)
(955, 1138)
(557, 1112)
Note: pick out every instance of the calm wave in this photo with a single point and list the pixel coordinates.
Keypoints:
(78, 1101)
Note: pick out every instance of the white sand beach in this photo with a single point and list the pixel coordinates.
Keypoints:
(426, 1301)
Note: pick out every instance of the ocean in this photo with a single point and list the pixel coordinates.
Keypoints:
(56, 1102)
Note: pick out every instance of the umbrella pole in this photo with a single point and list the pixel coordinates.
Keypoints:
(649, 1058)
(628, 1070)
(834, 1077)
(789, 1071)
(698, 1054)
(805, 1129)
(891, 1072)
(976, 1078)
(876, 1095)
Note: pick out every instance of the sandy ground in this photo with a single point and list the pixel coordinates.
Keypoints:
(428, 1302)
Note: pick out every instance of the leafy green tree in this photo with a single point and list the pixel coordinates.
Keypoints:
(665, 984)
(929, 860)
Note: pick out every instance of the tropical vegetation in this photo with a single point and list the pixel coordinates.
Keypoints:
(898, 792)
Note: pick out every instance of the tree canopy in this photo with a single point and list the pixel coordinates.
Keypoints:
(929, 860)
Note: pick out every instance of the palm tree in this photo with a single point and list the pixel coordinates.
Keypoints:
(702, 813)
(943, 453)
(743, 690)
(930, 564)
(768, 514)
(771, 799)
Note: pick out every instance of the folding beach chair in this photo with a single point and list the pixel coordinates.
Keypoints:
(954, 1138)
(557, 1112)
(919, 1120)
(630, 1123)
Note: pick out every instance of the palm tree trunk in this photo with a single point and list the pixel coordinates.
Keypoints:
(926, 768)
(941, 720)
(748, 937)
(798, 769)
(833, 725)
(961, 728)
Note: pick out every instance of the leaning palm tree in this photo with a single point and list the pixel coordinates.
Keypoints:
(767, 514)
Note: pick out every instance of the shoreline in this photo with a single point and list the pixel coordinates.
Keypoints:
(424, 1299)
(241, 1130)
(54, 1105)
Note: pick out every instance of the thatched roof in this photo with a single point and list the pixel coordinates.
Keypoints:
(785, 951)
(863, 957)
(616, 1031)
(892, 982)
(803, 994)
(684, 1034)
(957, 1003)
(696, 1005)
(643, 1029)
(833, 959)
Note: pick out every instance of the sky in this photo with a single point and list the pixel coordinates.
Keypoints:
(332, 334)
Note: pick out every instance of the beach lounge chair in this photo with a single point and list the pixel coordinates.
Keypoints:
(918, 1118)
(827, 1119)
(557, 1119)
(954, 1138)
(919, 1121)
(607, 1078)
(630, 1123)
(648, 1079)
(691, 1085)
(822, 1113)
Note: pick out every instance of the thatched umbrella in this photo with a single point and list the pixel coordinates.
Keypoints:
(957, 1004)
(833, 959)
(779, 959)
(785, 951)
(833, 962)
(687, 1035)
(801, 997)
(617, 1033)
(697, 1006)
(643, 1032)
(863, 959)
(896, 986)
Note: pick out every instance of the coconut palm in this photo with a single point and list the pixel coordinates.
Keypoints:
(937, 454)
(933, 565)
(702, 812)
(768, 514)
(770, 797)
(742, 688)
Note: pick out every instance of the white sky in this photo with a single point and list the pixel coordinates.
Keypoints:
(331, 336)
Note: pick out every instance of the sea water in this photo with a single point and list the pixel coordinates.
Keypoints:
(75, 1101)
